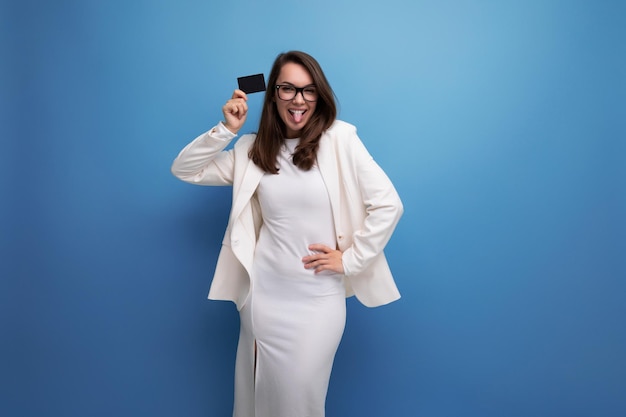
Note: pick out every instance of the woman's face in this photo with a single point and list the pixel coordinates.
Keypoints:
(295, 112)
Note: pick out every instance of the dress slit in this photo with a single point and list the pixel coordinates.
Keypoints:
(255, 359)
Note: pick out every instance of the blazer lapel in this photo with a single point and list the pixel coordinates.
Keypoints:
(327, 164)
(249, 182)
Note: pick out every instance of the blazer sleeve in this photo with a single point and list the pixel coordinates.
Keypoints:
(204, 161)
(380, 207)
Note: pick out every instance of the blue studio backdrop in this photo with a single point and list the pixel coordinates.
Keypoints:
(502, 124)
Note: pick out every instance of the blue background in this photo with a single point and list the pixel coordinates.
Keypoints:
(502, 124)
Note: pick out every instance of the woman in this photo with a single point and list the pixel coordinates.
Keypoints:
(310, 216)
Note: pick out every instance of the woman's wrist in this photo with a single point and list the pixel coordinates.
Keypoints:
(221, 131)
(229, 128)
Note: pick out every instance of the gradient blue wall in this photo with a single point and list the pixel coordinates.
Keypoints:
(502, 123)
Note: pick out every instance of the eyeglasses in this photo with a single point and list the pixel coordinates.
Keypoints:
(289, 92)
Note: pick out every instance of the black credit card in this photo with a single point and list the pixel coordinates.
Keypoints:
(252, 83)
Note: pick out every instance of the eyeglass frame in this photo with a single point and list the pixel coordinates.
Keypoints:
(298, 90)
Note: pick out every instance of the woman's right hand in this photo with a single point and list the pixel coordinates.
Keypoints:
(235, 111)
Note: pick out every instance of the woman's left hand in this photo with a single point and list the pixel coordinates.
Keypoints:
(327, 259)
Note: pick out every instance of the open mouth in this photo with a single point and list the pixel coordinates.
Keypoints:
(297, 115)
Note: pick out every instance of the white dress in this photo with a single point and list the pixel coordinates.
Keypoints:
(294, 317)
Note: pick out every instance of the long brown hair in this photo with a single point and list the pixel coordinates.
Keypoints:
(272, 129)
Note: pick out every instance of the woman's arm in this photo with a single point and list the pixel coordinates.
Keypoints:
(203, 160)
(371, 209)
(380, 202)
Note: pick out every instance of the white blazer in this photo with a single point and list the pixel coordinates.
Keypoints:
(365, 208)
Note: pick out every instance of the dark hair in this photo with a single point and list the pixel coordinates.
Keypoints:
(272, 129)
